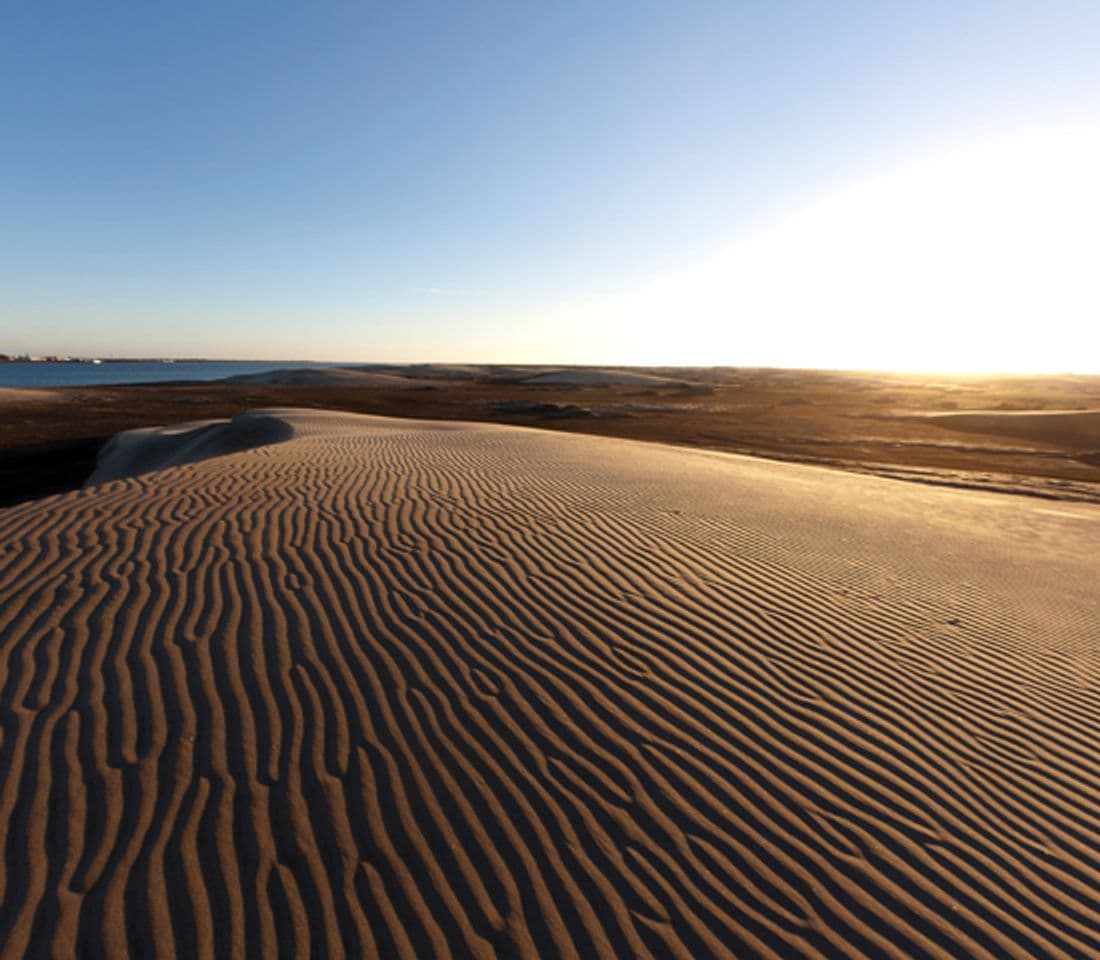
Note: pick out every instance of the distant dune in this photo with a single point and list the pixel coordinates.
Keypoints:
(596, 377)
(330, 376)
(446, 371)
(389, 376)
(332, 685)
(1075, 429)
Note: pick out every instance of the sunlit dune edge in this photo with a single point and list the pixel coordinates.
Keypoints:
(316, 683)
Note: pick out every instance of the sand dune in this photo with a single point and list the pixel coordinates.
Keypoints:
(597, 377)
(1074, 429)
(134, 452)
(331, 376)
(548, 376)
(411, 376)
(445, 371)
(403, 689)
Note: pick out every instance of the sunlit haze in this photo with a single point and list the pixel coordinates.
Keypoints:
(981, 258)
(912, 188)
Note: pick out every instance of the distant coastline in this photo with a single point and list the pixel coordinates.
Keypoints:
(60, 358)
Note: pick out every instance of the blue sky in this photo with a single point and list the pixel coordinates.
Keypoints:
(502, 181)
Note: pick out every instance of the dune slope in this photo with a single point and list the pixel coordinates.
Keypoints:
(404, 689)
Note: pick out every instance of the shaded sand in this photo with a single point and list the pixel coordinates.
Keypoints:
(403, 689)
(135, 452)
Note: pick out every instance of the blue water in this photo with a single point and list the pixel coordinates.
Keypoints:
(101, 374)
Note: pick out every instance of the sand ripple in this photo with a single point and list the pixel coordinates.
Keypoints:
(412, 690)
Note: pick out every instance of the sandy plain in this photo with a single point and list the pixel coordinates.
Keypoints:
(312, 683)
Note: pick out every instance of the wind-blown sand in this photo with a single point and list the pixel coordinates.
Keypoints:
(393, 688)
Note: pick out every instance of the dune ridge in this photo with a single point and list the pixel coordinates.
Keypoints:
(394, 688)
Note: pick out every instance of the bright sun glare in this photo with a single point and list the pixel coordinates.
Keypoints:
(983, 259)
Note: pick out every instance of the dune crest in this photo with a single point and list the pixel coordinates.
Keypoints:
(403, 689)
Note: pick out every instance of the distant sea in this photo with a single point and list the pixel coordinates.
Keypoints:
(45, 374)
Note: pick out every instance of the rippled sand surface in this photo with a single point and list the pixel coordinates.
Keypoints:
(330, 685)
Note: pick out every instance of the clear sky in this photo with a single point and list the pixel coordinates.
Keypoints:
(907, 185)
